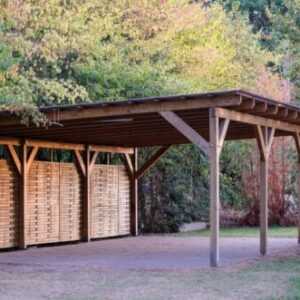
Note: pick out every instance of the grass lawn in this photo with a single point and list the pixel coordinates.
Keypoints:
(276, 231)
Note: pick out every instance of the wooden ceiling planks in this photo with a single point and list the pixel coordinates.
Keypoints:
(135, 123)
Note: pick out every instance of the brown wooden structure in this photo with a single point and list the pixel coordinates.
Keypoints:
(82, 207)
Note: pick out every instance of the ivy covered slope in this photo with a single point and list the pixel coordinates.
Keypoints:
(67, 51)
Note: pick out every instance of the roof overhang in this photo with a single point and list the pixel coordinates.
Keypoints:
(138, 123)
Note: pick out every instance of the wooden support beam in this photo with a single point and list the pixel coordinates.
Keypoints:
(169, 104)
(256, 120)
(65, 146)
(160, 152)
(191, 134)
(134, 197)
(31, 158)
(297, 142)
(112, 149)
(23, 198)
(217, 132)
(10, 141)
(15, 157)
(265, 137)
(55, 145)
(86, 197)
(80, 162)
(93, 161)
(129, 165)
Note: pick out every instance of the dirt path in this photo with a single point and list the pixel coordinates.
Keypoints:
(152, 267)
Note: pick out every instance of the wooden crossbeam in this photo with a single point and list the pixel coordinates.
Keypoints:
(256, 120)
(64, 146)
(186, 130)
(156, 156)
(112, 149)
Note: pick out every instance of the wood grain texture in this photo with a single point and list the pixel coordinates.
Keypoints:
(110, 187)
(9, 196)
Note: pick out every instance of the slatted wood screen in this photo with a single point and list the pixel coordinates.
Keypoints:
(54, 208)
(110, 210)
(9, 195)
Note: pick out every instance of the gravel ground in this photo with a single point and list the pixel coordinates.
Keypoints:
(146, 267)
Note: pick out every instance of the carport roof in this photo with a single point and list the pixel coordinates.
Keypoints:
(139, 123)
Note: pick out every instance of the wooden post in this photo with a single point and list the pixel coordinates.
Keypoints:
(263, 214)
(214, 189)
(298, 210)
(23, 197)
(265, 137)
(217, 133)
(134, 196)
(86, 198)
(297, 141)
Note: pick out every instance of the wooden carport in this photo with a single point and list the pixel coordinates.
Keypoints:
(206, 120)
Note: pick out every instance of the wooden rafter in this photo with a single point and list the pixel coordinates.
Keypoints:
(147, 165)
(191, 134)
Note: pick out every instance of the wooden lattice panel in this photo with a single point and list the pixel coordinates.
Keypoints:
(124, 201)
(70, 203)
(109, 207)
(9, 195)
(42, 207)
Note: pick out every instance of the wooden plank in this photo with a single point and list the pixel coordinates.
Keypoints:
(214, 189)
(54, 145)
(78, 147)
(10, 141)
(192, 135)
(15, 157)
(256, 120)
(150, 107)
(112, 149)
(147, 165)
(9, 204)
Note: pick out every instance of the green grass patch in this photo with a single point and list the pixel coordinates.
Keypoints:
(276, 231)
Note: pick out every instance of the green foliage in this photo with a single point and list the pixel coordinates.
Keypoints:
(57, 52)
